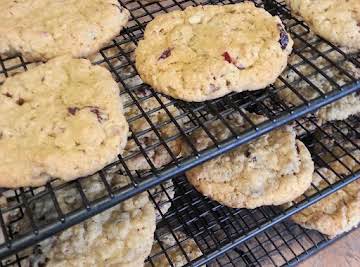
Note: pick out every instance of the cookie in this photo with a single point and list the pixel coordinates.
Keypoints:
(63, 119)
(76, 27)
(206, 52)
(146, 135)
(120, 236)
(338, 110)
(340, 211)
(338, 21)
(268, 171)
(175, 251)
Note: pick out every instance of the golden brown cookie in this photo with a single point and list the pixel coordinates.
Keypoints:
(206, 52)
(63, 119)
(41, 30)
(339, 212)
(270, 170)
(336, 20)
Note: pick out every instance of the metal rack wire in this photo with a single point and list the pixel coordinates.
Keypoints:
(282, 245)
(179, 119)
(216, 229)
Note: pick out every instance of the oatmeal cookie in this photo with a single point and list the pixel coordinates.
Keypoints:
(335, 20)
(120, 236)
(63, 119)
(41, 30)
(339, 212)
(268, 171)
(206, 52)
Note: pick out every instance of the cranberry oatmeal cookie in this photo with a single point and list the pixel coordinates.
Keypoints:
(339, 212)
(271, 170)
(206, 52)
(63, 119)
(120, 236)
(335, 20)
(41, 30)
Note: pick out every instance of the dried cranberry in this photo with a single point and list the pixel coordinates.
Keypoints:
(73, 110)
(284, 38)
(7, 94)
(100, 115)
(20, 101)
(165, 54)
(227, 57)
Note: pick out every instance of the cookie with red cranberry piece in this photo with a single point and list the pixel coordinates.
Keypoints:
(271, 170)
(41, 30)
(63, 119)
(338, 21)
(206, 52)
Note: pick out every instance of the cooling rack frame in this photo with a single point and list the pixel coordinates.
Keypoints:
(179, 166)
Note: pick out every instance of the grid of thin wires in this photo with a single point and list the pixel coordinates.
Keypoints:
(164, 122)
(196, 221)
(284, 244)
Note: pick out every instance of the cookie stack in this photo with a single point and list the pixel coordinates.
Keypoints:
(65, 119)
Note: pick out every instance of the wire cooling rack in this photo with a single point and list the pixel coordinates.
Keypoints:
(285, 244)
(194, 220)
(164, 121)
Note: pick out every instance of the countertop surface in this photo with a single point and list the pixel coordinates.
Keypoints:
(344, 252)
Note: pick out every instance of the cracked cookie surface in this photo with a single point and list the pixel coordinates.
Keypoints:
(272, 170)
(41, 30)
(63, 119)
(337, 21)
(205, 52)
(339, 212)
